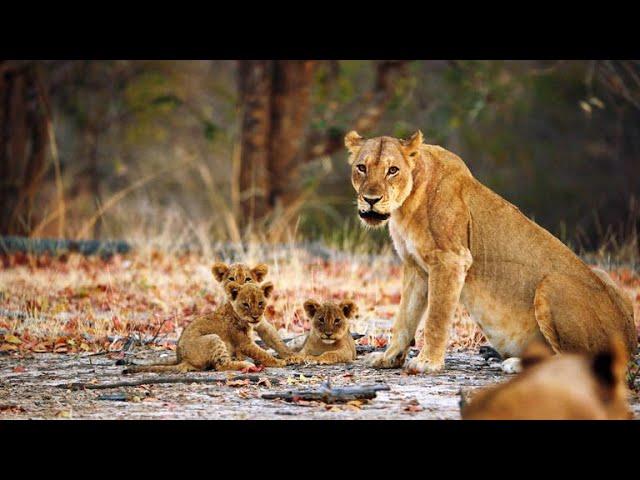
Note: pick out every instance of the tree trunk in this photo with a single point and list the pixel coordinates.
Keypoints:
(275, 98)
(23, 143)
(254, 84)
(291, 95)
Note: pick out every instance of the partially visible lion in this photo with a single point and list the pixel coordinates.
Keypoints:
(241, 274)
(329, 340)
(461, 242)
(558, 387)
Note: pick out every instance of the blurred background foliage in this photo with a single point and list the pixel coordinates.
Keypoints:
(222, 150)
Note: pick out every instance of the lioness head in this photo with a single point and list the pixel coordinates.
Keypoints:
(249, 300)
(239, 273)
(330, 322)
(381, 173)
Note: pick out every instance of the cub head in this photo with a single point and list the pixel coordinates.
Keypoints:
(239, 273)
(381, 173)
(249, 300)
(330, 322)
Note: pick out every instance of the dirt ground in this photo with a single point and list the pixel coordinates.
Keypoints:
(29, 390)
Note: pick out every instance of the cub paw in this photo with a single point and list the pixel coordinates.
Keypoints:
(294, 360)
(511, 365)
(384, 360)
(422, 365)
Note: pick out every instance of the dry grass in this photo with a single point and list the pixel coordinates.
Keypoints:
(73, 303)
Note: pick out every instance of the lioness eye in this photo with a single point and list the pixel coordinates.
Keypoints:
(393, 170)
(361, 167)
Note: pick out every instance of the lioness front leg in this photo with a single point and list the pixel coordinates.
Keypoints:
(447, 273)
(412, 306)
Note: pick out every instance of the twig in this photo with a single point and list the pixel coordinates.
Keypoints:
(162, 380)
(328, 394)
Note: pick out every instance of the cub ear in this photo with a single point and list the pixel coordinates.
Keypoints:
(219, 270)
(412, 144)
(348, 308)
(260, 271)
(267, 289)
(232, 289)
(353, 141)
(311, 307)
(537, 351)
(610, 366)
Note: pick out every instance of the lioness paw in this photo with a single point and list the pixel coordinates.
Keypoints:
(421, 365)
(511, 365)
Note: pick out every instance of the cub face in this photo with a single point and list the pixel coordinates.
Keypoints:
(239, 273)
(330, 322)
(381, 174)
(249, 300)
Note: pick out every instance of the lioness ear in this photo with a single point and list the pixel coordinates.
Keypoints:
(353, 141)
(311, 307)
(348, 308)
(267, 289)
(232, 289)
(537, 351)
(411, 146)
(610, 366)
(219, 270)
(260, 271)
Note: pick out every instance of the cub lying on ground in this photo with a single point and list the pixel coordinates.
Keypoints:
(329, 340)
(241, 274)
(558, 387)
(213, 341)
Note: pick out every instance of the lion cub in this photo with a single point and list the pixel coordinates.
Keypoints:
(558, 387)
(213, 341)
(329, 340)
(241, 274)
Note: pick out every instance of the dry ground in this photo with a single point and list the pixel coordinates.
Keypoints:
(70, 319)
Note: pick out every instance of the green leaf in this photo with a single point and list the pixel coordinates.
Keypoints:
(210, 130)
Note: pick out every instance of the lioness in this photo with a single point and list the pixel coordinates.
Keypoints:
(558, 387)
(213, 341)
(458, 240)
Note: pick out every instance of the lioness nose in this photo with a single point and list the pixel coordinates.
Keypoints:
(372, 200)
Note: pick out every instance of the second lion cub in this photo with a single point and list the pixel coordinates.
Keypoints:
(329, 340)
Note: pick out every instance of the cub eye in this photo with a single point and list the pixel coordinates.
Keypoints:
(321, 320)
(245, 305)
(232, 279)
(261, 304)
(248, 279)
(393, 170)
(361, 168)
(336, 321)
